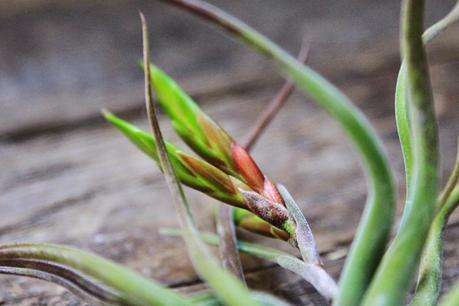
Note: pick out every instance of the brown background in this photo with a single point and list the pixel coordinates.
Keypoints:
(68, 177)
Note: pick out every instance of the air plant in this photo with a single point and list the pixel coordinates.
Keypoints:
(378, 270)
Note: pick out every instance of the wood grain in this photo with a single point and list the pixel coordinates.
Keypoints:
(68, 177)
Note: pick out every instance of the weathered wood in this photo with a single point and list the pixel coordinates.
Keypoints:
(81, 183)
(62, 61)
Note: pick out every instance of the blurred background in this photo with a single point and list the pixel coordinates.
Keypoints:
(68, 177)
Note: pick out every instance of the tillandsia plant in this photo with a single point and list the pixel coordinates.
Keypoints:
(378, 270)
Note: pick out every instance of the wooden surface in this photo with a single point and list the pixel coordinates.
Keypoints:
(68, 177)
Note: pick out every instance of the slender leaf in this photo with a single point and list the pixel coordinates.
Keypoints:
(191, 171)
(312, 273)
(401, 96)
(52, 278)
(452, 181)
(430, 271)
(403, 120)
(395, 274)
(229, 253)
(197, 129)
(276, 104)
(443, 24)
(429, 278)
(226, 287)
(201, 176)
(190, 175)
(208, 139)
(64, 276)
(304, 236)
(133, 289)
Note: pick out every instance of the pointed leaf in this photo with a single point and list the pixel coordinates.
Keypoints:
(133, 289)
(304, 236)
(225, 285)
(403, 255)
(312, 273)
(198, 130)
(205, 178)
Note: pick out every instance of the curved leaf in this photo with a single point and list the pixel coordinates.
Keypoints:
(133, 289)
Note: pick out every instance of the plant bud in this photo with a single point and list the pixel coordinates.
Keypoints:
(255, 224)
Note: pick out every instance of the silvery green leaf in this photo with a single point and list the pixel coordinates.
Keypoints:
(304, 236)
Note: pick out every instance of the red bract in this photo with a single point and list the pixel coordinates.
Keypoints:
(252, 175)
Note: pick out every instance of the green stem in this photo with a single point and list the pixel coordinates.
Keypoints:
(430, 271)
(401, 96)
(392, 281)
(429, 276)
(452, 182)
(374, 229)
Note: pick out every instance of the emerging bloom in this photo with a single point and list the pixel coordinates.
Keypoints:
(226, 171)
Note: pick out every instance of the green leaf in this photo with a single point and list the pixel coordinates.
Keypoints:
(85, 290)
(304, 236)
(229, 254)
(452, 182)
(201, 176)
(225, 285)
(402, 119)
(132, 288)
(192, 172)
(430, 271)
(401, 96)
(207, 138)
(312, 273)
(395, 274)
(197, 129)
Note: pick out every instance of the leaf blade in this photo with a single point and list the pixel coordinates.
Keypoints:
(224, 284)
(134, 289)
(393, 278)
